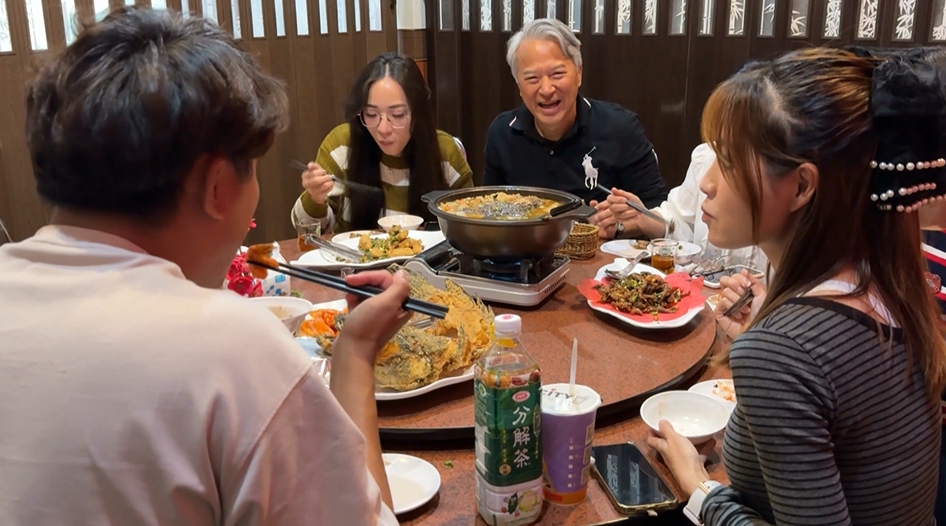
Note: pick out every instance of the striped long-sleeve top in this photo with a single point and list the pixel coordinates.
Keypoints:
(830, 428)
(934, 247)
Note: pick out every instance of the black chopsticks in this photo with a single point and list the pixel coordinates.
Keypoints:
(743, 300)
(297, 165)
(337, 283)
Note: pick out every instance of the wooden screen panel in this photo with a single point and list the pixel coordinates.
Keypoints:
(318, 71)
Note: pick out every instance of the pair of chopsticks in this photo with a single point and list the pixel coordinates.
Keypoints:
(334, 282)
(639, 208)
(743, 300)
(297, 165)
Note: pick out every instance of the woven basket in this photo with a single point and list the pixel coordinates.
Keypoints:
(582, 243)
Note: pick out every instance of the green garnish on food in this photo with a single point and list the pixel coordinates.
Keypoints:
(448, 463)
(295, 294)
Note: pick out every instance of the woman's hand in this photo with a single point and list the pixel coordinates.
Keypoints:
(372, 322)
(731, 289)
(681, 456)
(317, 183)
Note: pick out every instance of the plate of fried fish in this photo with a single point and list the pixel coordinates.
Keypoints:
(422, 357)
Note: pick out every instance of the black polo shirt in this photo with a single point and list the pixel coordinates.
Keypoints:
(611, 135)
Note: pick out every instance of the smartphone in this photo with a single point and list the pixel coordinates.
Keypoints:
(631, 482)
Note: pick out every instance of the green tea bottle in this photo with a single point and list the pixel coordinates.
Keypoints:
(507, 391)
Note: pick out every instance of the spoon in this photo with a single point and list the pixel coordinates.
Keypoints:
(626, 271)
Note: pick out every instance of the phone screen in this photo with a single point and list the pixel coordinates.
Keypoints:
(629, 476)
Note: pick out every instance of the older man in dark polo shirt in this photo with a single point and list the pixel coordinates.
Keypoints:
(561, 140)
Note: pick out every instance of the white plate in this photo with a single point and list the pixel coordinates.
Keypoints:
(323, 260)
(707, 389)
(620, 263)
(625, 249)
(383, 393)
(456, 377)
(622, 247)
(712, 301)
(413, 481)
(348, 235)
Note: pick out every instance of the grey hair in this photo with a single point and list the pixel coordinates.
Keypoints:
(550, 29)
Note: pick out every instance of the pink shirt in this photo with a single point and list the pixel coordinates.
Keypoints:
(129, 395)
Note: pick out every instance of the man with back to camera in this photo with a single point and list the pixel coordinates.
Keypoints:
(134, 390)
(561, 140)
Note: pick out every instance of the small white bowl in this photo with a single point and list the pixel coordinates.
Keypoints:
(694, 415)
(290, 310)
(404, 221)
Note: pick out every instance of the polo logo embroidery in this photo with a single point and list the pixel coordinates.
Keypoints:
(591, 173)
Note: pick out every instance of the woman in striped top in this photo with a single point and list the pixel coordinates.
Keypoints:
(838, 375)
(389, 142)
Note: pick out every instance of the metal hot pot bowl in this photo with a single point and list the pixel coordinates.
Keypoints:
(508, 240)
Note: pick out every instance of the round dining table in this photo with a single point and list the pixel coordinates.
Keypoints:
(624, 364)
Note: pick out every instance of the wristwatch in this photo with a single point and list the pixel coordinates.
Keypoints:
(619, 230)
(694, 508)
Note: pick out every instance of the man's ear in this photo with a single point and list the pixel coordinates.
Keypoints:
(212, 185)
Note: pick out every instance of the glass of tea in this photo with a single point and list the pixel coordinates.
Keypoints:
(663, 254)
(306, 230)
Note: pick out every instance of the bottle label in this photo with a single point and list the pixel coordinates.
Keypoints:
(508, 417)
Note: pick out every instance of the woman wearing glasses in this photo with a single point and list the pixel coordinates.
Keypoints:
(390, 142)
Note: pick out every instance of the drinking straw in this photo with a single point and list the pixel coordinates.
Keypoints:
(571, 374)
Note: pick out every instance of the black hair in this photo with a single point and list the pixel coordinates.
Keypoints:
(119, 118)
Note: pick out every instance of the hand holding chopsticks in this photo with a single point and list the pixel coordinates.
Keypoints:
(337, 283)
(736, 293)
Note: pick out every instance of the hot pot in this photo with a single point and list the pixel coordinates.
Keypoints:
(508, 240)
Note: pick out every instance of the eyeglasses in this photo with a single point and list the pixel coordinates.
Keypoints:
(372, 119)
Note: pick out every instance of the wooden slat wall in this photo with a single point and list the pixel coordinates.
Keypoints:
(665, 78)
(318, 70)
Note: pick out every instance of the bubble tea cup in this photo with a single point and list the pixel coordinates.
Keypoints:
(568, 426)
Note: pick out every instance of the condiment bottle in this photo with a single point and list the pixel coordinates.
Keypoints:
(508, 406)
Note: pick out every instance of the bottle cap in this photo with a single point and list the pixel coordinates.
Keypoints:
(507, 324)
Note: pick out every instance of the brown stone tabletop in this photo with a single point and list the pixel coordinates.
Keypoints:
(455, 504)
(623, 364)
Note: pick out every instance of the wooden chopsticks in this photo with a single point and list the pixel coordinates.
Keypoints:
(337, 283)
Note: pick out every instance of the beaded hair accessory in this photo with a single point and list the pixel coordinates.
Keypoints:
(908, 108)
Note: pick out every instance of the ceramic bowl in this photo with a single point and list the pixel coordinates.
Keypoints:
(406, 222)
(694, 415)
(291, 311)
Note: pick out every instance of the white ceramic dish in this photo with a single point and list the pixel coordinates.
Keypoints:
(291, 311)
(696, 416)
(622, 247)
(620, 263)
(686, 251)
(625, 248)
(383, 394)
(322, 260)
(712, 301)
(353, 234)
(406, 222)
(708, 387)
(413, 481)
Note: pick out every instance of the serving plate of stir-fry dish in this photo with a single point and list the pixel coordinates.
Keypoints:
(646, 298)
(377, 250)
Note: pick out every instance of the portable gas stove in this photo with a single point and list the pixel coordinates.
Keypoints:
(525, 282)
